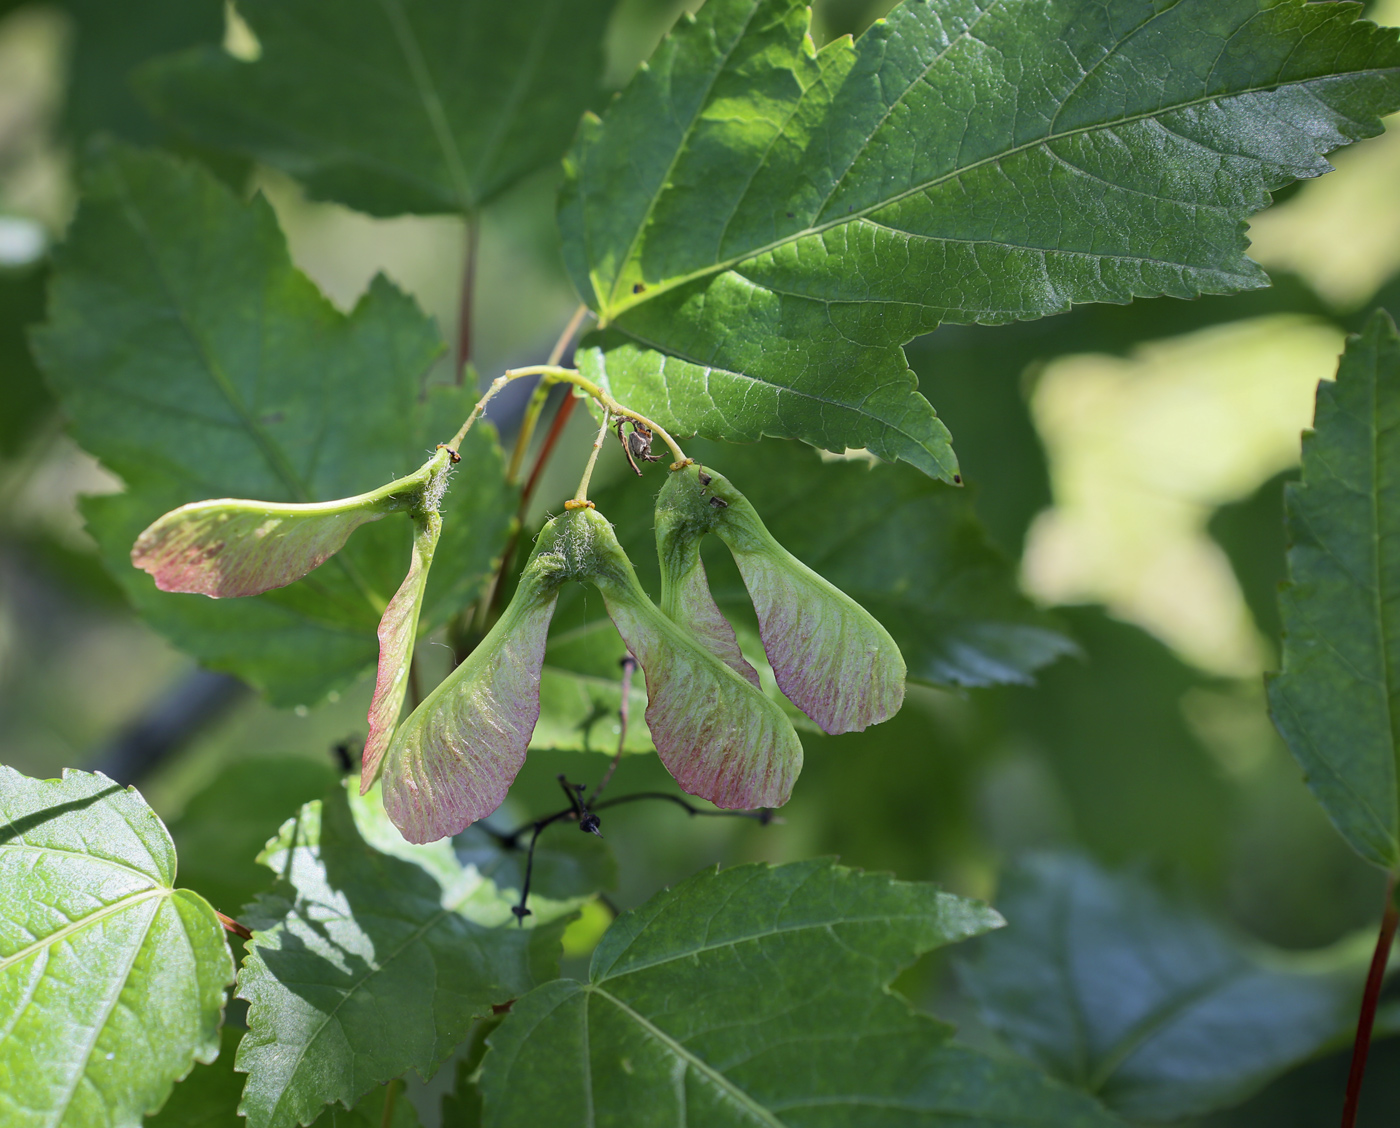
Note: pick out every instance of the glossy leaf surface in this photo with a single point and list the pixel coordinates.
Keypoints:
(1335, 701)
(196, 362)
(755, 996)
(1148, 1004)
(363, 965)
(407, 106)
(760, 226)
(112, 981)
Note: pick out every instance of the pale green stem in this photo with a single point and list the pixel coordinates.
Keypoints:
(581, 497)
(552, 374)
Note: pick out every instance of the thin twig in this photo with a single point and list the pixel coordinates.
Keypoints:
(464, 313)
(1369, 999)
(231, 925)
(581, 494)
(537, 401)
(387, 1120)
(629, 667)
(556, 354)
(585, 814)
(763, 816)
(556, 428)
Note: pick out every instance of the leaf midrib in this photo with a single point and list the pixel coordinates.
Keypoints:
(754, 937)
(505, 117)
(1155, 1021)
(715, 74)
(120, 983)
(76, 926)
(431, 100)
(654, 290)
(756, 1111)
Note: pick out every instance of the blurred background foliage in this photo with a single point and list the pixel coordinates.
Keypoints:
(1130, 458)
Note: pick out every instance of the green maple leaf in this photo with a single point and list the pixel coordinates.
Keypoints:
(760, 225)
(1191, 1019)
(112, 981)
(395, 106)
(364, 964)
(1334, 702)
(757, 996)
(196, 362)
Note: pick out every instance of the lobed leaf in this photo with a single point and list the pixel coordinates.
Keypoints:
(757, 995)
(398, 106)
(196, 362)
(760, 225)
(484, 877)
(1334, 700)
(112, 981)
(1150, 1005)
(364, 965)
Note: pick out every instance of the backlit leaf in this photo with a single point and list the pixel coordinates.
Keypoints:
(112, 981)
(760, 225)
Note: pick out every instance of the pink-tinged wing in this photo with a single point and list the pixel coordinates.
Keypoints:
(231, 548)
(690, 604)
(717, 735)
(830, 656)
(398, 630)
(454, 759)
